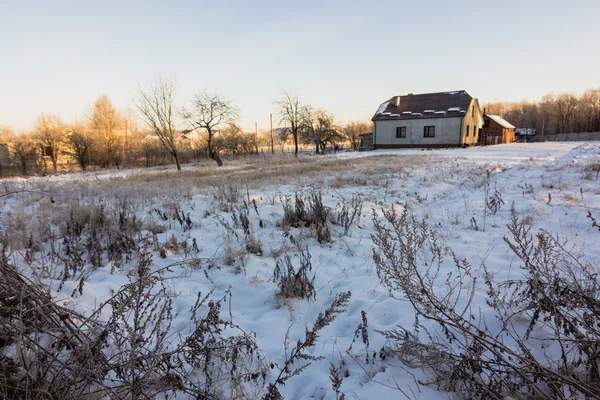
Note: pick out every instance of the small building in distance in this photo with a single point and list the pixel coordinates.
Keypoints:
(496, 130)
(366, 141)
(428, 120)
(524, 134)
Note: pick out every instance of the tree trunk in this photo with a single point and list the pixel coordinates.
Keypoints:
(212, 154)
(296, 144)
(215, 156)
(177, 161)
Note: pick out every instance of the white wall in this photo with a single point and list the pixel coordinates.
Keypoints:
(447, 131)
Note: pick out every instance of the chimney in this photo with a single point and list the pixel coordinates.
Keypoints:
(397, 102)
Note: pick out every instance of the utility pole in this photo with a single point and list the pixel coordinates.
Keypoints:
(256, 136)
(271, 122)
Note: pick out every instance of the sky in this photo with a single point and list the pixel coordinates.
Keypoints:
(59, 56)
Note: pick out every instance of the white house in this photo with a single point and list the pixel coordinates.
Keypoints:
(444, 119)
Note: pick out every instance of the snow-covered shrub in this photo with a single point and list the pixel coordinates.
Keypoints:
(126, 348)
(309, 212)
(294, 282)
(559, 297)
(45, 351)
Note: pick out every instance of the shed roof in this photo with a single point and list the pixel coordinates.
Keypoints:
(425, 105)
(504, 123)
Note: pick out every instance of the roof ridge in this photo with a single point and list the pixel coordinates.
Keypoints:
(443, 92)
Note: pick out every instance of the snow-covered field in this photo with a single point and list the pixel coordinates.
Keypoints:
(546, 182)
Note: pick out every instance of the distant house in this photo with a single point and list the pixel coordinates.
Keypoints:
(496, 130)
(444, 119)
(524, 134)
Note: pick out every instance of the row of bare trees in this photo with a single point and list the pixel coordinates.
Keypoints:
(554, 113)
(210, 114)
(101, 138)
(308, 125)
(170, 131)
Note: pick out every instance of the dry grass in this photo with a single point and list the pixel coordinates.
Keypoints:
(155, 186)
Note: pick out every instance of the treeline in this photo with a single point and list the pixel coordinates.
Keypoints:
(554, 113)
(161, 131)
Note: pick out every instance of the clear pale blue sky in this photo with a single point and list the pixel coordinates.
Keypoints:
(345, 56)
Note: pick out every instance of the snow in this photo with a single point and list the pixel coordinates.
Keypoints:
(443, 186)
(428, 111)
(406, 112)
(525, 131)
(440, 112)
(382, 107)
(454, 109)
(504, 123)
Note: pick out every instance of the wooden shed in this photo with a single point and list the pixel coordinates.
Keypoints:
(496, 130)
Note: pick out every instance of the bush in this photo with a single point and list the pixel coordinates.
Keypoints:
(49, 352)
(44, 352)
(560, 295)
(295, 283)
(308, 213)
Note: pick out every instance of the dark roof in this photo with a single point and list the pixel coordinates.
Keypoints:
(426, 105)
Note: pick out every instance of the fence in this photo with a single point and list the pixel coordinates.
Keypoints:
(566, 137)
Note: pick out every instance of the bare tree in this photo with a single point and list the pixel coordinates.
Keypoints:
(290, 114)
(79, 141)
(566, 105)
(209, 111)
(49, 130)
(591, 107)
(6, 134)
(21, 153)
(234, 140)
(318, 126)
(353, 130)
(554, 113)
(106, 124)
(155, 105)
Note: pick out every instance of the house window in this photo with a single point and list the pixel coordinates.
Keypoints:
(400, 132)
(429, 131)
(468, 127)
(473, 111)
